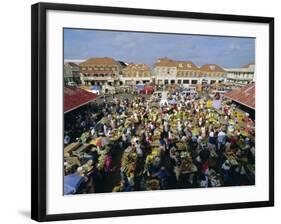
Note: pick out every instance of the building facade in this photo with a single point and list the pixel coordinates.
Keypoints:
(241, 76)
(187, 72)
(135, 73)
(168, 71)
(100, 71)
(211, 74)
(164, 71)
(71, 73)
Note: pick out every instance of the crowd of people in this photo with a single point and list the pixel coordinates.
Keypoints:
(185, 144)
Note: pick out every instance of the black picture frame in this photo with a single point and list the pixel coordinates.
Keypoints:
(39, 122)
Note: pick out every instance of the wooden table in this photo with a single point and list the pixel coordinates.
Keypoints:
(81, 149)
(232, 159)
(71, 147)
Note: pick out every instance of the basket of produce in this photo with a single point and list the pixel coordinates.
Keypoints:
(153, 184)
(155, 152)
(245, 133)
(195, 132)
(181, 146)
(231, 122)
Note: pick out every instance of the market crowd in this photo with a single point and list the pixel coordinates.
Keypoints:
(186, 142)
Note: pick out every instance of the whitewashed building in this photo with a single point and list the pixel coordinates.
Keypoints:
(164, 71)
(241, 76)
(135, 73)
(168, 71)
(211, 74)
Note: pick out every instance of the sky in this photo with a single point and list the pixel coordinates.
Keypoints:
(139, 47)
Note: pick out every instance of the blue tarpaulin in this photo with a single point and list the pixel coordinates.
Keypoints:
(71, 183)
(95, 87)
(140, 86)
(217, 104)
(173, 101)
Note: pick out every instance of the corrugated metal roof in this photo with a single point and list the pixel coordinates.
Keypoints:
(75, 97)
(245, 95)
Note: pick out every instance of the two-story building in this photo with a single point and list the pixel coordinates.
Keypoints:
(168, 71)
(135, 73)
(164, 71)
(71, 73)
(211, 74)
(100, 71)
(241, 76)
(187, 72)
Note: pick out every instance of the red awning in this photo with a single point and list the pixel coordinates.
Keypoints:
(76, 97)
(244, 95)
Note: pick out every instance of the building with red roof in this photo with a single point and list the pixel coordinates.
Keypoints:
(136, 73)
(169, 71)
(99, 71)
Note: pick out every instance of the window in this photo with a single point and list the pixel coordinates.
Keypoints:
(193, 81)
(179, 81)
(186, 81)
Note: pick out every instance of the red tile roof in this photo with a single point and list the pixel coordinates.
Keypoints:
(167, 62)
(186, 65)
(75, 97)
(99, 61)
(244, 95)
(136, 67)
(211, 68)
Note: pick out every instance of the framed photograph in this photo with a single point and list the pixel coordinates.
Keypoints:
(140, 111)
